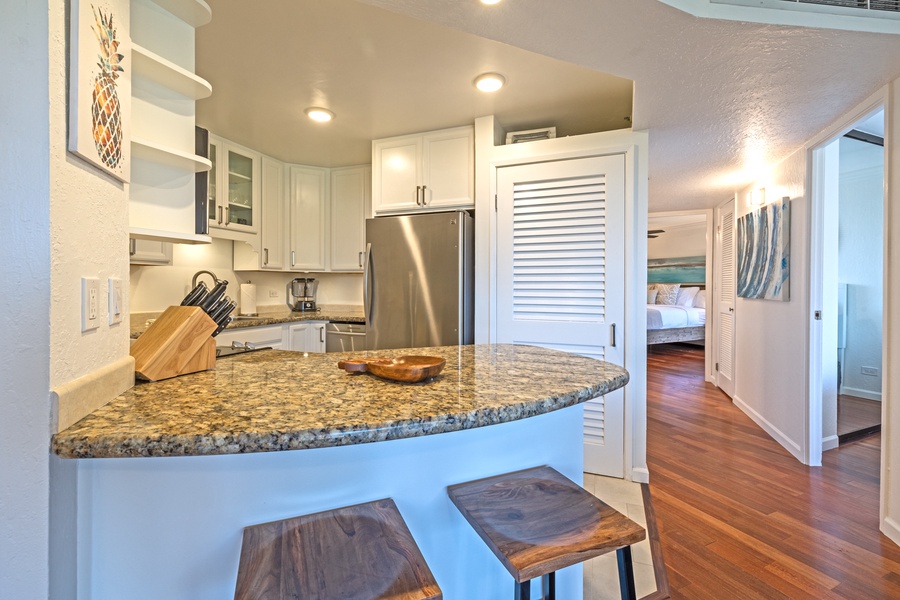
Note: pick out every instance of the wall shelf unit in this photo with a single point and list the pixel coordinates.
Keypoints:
(193, 12)
(172, 157)
(168, 74)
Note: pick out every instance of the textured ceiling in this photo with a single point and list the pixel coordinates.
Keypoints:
(721, 99)
(383, 74)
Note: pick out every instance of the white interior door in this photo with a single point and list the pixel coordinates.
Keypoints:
(724, 302)
(561, 276)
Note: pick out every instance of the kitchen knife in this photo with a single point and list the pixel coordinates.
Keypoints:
(222, 309)
(222, 325)
(195, 296)
(214, 295)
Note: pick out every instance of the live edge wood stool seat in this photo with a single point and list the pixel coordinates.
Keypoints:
(537, 521)
(360, 552)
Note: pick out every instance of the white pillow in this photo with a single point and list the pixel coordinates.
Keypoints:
(700, 299)
(668, 293)
(651, 295)
(686, 296)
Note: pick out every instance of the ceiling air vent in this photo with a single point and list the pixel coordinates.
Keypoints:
(517, 137)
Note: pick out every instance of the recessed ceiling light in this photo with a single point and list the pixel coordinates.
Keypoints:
(490, 1)
(322, 115)
(490, 82)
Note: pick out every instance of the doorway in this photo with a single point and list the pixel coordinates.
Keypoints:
(846, 285)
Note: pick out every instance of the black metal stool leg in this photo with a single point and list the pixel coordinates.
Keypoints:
(523, 590)
(548, 586)
(626, 573)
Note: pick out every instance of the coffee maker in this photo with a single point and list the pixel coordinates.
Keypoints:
(301, 294)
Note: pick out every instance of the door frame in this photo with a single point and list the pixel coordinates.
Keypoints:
(817, 177)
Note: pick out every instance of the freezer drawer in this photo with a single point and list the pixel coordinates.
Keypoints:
(345, 337)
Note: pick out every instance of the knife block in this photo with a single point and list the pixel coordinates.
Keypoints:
(177, 343)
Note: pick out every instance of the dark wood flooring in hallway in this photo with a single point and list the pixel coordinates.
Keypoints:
(740, 518)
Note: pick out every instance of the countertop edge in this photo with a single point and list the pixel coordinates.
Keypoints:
(250, 443)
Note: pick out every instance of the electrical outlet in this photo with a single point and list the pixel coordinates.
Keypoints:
(116, 301)
(273, 293)
(90, 303)
(873, 371)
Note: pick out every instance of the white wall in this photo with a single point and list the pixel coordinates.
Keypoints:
(860, 262)
(25, 307)
(677, 241)
(154, 288)
(890, 427)
(771, 337)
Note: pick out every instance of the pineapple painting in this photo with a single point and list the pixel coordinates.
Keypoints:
(106, 114)
(100, 85)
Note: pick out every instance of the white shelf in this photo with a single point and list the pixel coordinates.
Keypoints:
(158, 235)
(193, 12)
(166, 73)
(157, 153)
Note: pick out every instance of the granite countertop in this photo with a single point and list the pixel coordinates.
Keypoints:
(270, 315)
(277, 400)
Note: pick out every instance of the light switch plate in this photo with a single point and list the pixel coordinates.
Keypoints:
(90, 303)
(116, 301)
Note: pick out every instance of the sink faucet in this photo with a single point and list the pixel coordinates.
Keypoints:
(199, 273)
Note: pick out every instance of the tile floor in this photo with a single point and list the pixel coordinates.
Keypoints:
(601, 577)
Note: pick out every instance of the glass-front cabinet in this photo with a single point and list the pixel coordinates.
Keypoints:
(233, 188)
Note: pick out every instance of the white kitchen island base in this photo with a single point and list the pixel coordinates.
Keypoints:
(170, 527)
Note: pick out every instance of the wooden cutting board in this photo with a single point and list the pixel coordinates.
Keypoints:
(409, 369)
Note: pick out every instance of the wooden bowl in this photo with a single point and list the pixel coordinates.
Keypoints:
(409, 369)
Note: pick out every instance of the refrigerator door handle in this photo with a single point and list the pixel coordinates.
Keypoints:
(367, 296)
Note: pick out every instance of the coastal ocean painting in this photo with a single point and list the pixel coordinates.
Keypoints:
(764, 252)
(685, 269)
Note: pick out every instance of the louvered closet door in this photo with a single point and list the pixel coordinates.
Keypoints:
(560, 276)
(725, 289)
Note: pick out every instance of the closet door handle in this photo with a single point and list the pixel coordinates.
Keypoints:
(612, 335)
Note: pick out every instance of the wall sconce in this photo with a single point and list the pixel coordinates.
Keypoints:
(758, 198)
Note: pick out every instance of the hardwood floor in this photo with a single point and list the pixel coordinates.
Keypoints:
(740, 518)
(857, 415)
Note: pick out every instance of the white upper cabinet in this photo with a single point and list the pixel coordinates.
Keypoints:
(349, 203)
(273, 228)
(430, 171)
(308, 194)
(233, 190)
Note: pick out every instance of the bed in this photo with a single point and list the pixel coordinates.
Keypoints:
(683, 321)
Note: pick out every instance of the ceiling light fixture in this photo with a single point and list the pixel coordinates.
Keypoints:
(490, 1)
(490, 82)
(321, 115)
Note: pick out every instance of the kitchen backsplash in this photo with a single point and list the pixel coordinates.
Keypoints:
(154, 288)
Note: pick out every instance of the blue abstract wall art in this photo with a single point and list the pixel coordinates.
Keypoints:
(685, 269)
(764, 252)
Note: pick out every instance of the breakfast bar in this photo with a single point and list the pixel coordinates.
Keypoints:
(169, 473)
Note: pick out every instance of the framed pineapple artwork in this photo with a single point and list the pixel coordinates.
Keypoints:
(100, 85)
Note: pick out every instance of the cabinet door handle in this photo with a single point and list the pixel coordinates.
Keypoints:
(227, 215)
(292, 258)
(219, 215)
(266, 256)
(418, 189)
(424, 203)
(322, 334)
(132, 247)
(361, 254)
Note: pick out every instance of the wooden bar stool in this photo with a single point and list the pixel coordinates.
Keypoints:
(537, 521)
(360, 552)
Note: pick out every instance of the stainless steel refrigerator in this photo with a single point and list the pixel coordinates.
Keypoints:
(418, 287)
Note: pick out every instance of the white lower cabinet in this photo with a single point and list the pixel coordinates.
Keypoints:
(269, 335)
(308, 336)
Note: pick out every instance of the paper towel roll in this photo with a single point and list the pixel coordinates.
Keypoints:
(248, 299)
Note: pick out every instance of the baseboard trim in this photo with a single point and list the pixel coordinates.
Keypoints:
(660, 573)
(779, 436)
(830, 443)
(852, 436)
(890, 528)
(858, 393)
(640, 475)
(80, 397)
